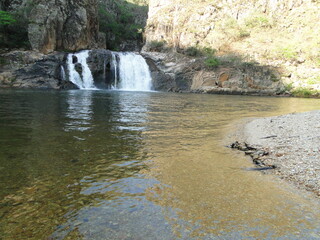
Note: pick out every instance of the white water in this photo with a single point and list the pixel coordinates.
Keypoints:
(131, 72)
(134, 73)
(85, 80)
(63, 73)
(115, 67)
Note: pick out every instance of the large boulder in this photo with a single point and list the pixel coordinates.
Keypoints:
(64, 25)
(178, 73)
(102, 68)
(30, 69)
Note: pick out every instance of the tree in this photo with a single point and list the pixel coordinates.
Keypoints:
(6, 18)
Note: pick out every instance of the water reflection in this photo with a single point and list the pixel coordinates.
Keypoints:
(79, 110)
(133, 112)
(117, 165)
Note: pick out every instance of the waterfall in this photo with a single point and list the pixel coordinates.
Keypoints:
(129, 71)
(134, 73)
(84, 79)
(115, 67)
(63, 73)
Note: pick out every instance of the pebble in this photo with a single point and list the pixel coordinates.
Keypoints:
(295, 150)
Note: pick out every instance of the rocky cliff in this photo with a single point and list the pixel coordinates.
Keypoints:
(31, 69)
(279, 35)
(64, 25)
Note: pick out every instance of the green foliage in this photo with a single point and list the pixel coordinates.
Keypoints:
(314, 80)
(3, 61)
(288, 87)
(193, 52)
(304, 92)
(208, 51)
(212, 62)
(199, 52)
(274, 78)
(14, 33)
(243, 33)
(119, 23)
(258, 21)
(288, 53)
(156, 46)
(6, 18)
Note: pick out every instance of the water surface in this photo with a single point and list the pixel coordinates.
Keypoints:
(129, 165)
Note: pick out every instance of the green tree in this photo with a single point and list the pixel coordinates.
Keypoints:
(14, 28)
(6, 18)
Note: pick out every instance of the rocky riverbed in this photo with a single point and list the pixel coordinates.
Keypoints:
(287, 145)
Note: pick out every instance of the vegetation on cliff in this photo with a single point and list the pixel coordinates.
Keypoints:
(279, 34)
(14, 27)
(123, 23)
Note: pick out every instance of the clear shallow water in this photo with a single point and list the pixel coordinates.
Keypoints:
(129, 165)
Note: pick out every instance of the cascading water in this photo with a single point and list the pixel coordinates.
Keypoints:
(63, 73)
(130, 71)
(115, 69)
(134, 73)
(85, 79)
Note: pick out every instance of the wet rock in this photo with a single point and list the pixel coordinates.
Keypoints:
(29, 69)
(102, 69)
(257, 155)
(78, 68)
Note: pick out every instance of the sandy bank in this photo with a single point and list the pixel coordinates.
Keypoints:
(291, 143)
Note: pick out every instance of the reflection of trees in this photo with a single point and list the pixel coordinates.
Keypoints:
(82, 142)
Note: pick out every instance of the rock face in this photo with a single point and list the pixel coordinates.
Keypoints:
(64, 25)
(28, 69)
(10, 5)
(31, 69)
(100, 64)
(282, 34)
(178, 73)
(183, 23)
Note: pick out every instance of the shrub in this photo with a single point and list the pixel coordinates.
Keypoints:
(258, 21)
(6, 18)
(199, 52)
(304, 92)
(288, 53)
(208, 51)
(193, 52)
(288, 87)
(14, 27)
(119, 22)
(212, 62)
(157, 46)
(314, 80)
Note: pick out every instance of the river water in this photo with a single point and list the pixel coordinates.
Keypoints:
(140, 165)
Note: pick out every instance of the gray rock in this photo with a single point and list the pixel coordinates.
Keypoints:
(100, 64)
(176, 72)
(29, 69)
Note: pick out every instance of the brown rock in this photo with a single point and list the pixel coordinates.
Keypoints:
(64, 25)
(222, 78)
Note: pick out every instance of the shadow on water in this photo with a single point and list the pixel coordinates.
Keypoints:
(124, 165)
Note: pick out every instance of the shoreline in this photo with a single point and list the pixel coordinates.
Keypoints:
(287, 146)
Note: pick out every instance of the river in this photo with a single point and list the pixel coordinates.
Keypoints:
(140, 165)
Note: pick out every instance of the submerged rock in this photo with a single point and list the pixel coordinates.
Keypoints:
(257, 155)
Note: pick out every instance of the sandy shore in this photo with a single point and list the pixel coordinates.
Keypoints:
(290, 142)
